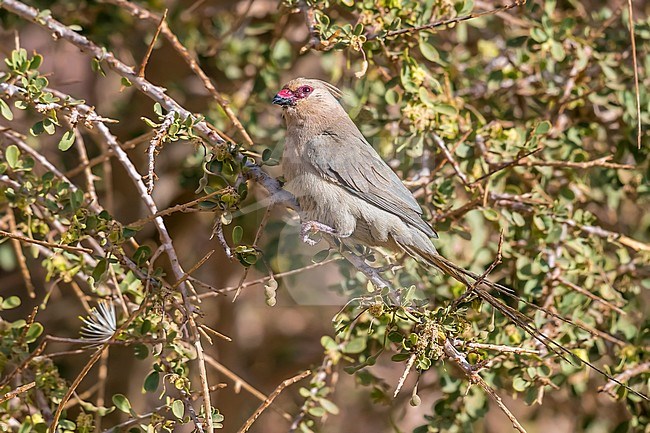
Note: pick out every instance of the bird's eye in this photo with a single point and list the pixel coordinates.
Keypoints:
(306, 89)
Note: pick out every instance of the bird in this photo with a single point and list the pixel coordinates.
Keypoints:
(344, 188)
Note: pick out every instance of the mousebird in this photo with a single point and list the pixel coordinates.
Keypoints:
(342, 185)
(346, 190)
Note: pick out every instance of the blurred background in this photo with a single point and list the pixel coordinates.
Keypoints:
(496, 72)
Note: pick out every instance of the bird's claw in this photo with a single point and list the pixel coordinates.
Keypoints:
(313, 226)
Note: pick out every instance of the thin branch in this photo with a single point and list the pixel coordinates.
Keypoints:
(601, 232)
(21, 389)
(143, 65)
(443, 147)
(496, 347)
(45, 244)
(473, 376)
(407, 370)
(258, 234)
(170, 210)
(449, 21)
(267, 402)
(639, 128)
(642, 368)
(154, 147)
(20, 256)
(245, 385)
(590, 295)
(263, 280)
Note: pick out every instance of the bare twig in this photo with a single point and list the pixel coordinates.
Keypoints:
(21, 389)
(443, 147)
(242, 383)
(496, 347)
(449, 21)
(258, 234)
(642, 368)
(473, 376)
(145, 60)
(407, 370)
(601, 232)
(45, 244)
(590, 295)
(22, 261)
(267, 402)
(154, 147)
(639, 128)
(170, 210)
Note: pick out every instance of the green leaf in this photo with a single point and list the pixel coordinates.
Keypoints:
(468, 6)
(67, 141)
(317, 412)
(237, 234)
(11, 302)
(391, 96)
(48, 126)
(11, 155)
(100, 269)
(35, 330)
(519, 384)
(125, 82)
(5, 110)
(37, 128)
(142, 254)
(329, 406)
(542, 128)
(35, 62)
(557, 51)
(428, 51)
(281, 53)
(122, 403)
(178, 409)
(356, 345)
(97, 67)
(140, 351)
(320, 256)
(445, 109)
(152, 381)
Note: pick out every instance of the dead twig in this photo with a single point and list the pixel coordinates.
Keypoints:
(461, 361)
(267, 402)
(639, 128)
(145, 60)
(21, 389)
(20, 256)
(239, 382)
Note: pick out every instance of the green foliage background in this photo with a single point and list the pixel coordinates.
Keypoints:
(536, 106)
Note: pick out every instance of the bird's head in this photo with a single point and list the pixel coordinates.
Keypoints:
(302, 93)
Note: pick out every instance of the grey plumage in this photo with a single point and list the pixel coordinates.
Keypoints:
(338, 178)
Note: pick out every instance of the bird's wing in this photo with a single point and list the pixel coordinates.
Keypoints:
(363, 173)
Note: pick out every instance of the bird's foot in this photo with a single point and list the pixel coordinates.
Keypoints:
(309, 227)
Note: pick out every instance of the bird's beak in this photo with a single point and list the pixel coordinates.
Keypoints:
(284, 98)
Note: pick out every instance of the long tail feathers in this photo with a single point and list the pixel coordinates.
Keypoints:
(481, 286)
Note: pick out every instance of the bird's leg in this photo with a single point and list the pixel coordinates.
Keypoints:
(315, 226)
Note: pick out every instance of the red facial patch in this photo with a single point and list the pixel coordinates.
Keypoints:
(285, 93)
